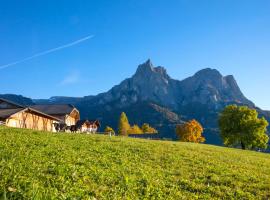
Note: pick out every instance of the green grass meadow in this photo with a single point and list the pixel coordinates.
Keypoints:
(43, 165)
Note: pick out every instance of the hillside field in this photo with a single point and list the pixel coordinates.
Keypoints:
(43, 165)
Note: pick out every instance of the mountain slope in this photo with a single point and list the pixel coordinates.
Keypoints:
(201, 96)
(152, 96)
(17, 99)
(142, 112)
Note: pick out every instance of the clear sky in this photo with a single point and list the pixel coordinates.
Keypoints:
(185, 36)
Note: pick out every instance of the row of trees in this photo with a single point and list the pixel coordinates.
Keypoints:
(239, 126)
(124, 128)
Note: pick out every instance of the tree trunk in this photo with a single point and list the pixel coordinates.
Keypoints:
(243, 145)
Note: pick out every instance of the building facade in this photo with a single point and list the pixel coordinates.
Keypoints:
(88, 126)
(67, 113)
(18, 116)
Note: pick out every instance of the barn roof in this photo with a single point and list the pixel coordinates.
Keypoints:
(97, 122)
(79, 123)
(42, 113)
(5, 113)
(83, 121)
(60, 109)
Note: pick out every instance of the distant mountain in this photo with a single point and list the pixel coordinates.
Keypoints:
(152, 96)
(58, 99)
(18, 99)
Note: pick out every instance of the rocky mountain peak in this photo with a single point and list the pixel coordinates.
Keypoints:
(208, 73)
(147, 69)
(150, 95)
(231, 80)
(161, 70)
(210, 88)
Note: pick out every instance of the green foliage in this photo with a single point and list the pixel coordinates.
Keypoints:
(135, 129)
(43, 165)
(240, 125)
(109, 130)
(190, 131)
(123, 125)
(146, 128)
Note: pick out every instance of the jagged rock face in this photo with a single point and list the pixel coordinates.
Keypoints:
(149, 83)
(210, 88)
(199, 97)
(207, 88)
(152, 96)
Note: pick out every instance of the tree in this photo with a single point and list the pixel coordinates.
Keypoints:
(123, 125)
(240, 126)
(109, 130)
(146, 128)
(190, 131)
(135, 129)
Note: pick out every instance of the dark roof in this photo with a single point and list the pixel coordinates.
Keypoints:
(42, 113)
(5, 113)
(79, 123)
(13, 103)
(60, 109)
(82, 121)
(95, 121)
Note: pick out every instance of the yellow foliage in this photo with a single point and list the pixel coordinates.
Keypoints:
(190, 132)
(135, 129)
(109, 130)
(146, 128)
(123, 125)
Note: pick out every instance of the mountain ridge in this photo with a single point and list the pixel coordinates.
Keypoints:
(151, 95)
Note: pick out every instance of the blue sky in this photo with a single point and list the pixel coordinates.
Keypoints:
(184, 36)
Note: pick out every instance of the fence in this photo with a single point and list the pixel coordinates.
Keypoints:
(2, 123)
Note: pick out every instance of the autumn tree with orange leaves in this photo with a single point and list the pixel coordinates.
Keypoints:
(190, 131)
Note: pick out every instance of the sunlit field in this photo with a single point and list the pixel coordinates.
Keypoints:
(43, 165)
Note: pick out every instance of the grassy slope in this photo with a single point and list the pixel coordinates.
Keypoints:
(42, 165)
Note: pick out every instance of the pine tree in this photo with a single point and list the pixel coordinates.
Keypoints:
(123, 125)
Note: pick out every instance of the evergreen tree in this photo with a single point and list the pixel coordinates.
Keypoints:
(123, 125)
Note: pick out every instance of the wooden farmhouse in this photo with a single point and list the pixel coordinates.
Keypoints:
(67, 113)
(88, 126)
(44, 117)
(18, 116)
